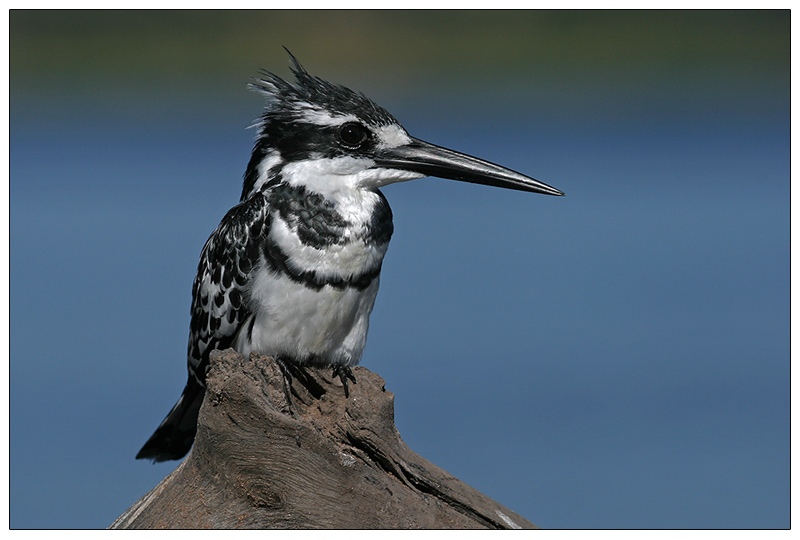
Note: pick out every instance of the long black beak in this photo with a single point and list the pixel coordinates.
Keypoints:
(431, 160)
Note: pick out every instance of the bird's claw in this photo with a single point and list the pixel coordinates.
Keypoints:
(285, 370)
(344, 373)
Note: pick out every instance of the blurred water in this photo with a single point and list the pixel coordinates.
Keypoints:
(615, 358)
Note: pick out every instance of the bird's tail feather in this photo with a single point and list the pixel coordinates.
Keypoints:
(175, 435)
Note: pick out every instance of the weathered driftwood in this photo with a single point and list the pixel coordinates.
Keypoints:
(302, 455)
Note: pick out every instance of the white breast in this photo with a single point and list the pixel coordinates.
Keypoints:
(317, 325)
(294, 320)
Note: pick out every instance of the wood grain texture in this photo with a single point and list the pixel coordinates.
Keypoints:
(276, 454)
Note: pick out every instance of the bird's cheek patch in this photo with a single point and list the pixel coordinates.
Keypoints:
(391, 136)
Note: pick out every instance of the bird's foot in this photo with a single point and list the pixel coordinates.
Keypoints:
(285, 370)
(344, 373)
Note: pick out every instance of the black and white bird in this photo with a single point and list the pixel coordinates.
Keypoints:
(292, 271)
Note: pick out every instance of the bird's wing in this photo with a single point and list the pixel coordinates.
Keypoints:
(219, 305)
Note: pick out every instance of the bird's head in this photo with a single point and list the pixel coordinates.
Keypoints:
(327, 137)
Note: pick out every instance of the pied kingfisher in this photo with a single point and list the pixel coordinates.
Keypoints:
(292, 270)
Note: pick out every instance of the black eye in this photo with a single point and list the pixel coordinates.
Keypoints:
(352, 134)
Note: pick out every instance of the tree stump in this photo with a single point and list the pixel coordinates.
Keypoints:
(272, 453)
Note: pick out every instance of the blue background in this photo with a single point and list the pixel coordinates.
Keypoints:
(618, 358)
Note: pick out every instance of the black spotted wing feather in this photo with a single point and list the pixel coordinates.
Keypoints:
(219, 304)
